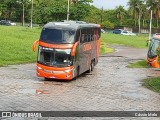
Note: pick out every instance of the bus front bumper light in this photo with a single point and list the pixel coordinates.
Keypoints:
(68, 71)
(39, 68)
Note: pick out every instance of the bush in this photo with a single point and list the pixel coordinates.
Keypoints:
(107, 24)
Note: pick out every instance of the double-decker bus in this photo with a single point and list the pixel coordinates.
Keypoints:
(67, 49)
(152, 58)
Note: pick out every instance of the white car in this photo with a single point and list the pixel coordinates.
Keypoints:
(127, 33)
(13, 24)
(103, 31)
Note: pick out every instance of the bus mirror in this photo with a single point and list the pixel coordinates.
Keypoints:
(34, 45)
(74, 49)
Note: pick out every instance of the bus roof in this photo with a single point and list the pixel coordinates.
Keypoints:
(70, 25)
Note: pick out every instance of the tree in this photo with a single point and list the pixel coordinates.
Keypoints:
(93, 16)
(120, 12)
(23, 3)
(144, 13)
(135, 9)
(9, 8)
(154, 5)
(43, 11)
(80, 10)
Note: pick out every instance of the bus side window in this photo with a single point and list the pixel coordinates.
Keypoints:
(96, 34)
(78, 35)
(89, 36)
(83, 36)
(92, 34)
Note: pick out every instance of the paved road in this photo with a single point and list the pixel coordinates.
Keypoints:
(110, 87)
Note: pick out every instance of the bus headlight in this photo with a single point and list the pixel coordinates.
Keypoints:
(67, 71)
(39, 68)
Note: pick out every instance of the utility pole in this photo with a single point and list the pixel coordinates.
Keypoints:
(68, 11)
(150, 28)
(31, 25)
(102, 14)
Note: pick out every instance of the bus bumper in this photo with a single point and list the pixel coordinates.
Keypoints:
(153, 62)
(55, 73)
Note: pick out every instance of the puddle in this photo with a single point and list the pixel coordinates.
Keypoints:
(42, 91)
(27, 91)
(33, 91)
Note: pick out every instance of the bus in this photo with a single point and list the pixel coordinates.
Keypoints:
(67, 49)
(152, 58)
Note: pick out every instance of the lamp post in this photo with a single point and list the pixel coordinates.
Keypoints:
(31, 25)
(68, 11)
(150, 27)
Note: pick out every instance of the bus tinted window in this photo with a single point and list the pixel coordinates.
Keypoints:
(55, 57)
(87, 35)
(153, 48)
(77, 35)
(57, 36)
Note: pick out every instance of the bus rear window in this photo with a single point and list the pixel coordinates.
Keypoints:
(57, 36)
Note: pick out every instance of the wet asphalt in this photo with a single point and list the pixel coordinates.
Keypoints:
(110, 87)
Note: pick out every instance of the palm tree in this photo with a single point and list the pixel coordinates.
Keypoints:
(120, 12)
(135, 8)
(144, 13)
(154, 5)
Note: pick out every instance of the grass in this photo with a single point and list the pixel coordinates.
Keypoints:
(104, 49)
(15, 44)
(138, 41)
(139, 64)
(152, 84)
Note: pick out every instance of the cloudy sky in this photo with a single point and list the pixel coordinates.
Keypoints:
(110, 4)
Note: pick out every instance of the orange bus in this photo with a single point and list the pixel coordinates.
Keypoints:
(152, 58)
(67, 49)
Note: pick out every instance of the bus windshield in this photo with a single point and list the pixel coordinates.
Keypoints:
(152, 53)
(55, 57)
(57, 36)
